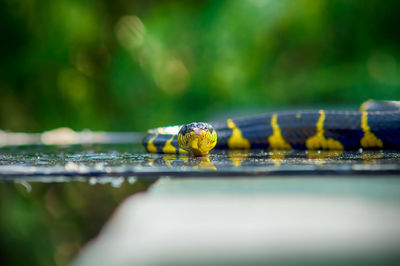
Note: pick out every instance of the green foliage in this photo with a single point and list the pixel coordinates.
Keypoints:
(134, 65)
(116, 65)
(51, 223)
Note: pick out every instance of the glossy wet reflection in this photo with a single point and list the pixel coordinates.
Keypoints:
(223, 160)
(64, 162)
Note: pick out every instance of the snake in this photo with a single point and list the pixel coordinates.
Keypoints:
(375, 126)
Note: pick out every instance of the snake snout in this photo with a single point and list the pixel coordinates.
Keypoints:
(199, 132)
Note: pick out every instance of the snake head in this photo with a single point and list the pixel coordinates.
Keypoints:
(198, 138)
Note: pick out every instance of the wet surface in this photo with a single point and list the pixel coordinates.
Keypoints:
(37, 201)
(62, 163)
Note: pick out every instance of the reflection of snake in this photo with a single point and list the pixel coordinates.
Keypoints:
(376, 126)
(226, 160)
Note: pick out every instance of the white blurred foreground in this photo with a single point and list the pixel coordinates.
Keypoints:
(253, 221)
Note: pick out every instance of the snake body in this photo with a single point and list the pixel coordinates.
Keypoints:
(376, 126)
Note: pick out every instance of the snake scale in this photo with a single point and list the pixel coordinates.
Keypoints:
(375, 126)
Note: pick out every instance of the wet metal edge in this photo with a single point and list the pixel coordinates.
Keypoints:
(140, 173)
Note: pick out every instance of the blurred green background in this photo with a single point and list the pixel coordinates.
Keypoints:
(133, 65)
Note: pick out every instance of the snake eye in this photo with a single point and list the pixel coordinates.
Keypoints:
(183, 130)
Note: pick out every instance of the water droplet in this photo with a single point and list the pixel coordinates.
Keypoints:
(117, 182)
(71, 167)
(25, 184)
(99, 166)
(92, 181)
(131, 180)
